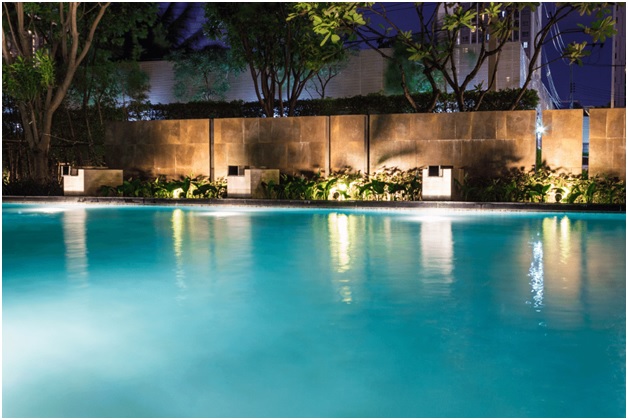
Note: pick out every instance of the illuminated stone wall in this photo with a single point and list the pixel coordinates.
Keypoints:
(173, 148)
(291, 145)
(607, 142)
(348, 143)
(480, 142)
(562, 140)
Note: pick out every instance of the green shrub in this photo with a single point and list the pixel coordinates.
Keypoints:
(187, 187)
(374, 103)
(394, 184)
(390, 184)
(544, 185)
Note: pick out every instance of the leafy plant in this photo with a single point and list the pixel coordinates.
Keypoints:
(537, 191)
(543, 185)
(187, 187)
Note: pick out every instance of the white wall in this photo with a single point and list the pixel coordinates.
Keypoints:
(363, 74)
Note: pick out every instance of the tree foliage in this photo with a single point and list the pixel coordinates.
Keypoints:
(401, 67)
(37, 38)
(171, 31)
(435, 43)
(203, 75)
(282, 54)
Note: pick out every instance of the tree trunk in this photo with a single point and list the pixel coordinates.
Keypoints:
(404, 86)
(41, 169)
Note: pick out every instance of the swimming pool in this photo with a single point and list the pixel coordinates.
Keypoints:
(238, 312)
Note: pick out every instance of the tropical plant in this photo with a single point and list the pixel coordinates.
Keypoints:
(543, 185)
(186, 187)
(389, 184)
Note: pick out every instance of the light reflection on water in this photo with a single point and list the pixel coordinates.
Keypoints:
(317, 314)
(340, 249)
(178, 220)
(536, 275)
(437, 252)
(75, 240)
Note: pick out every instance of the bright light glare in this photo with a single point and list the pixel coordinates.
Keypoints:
(46, 210)
(219, 213)
(430, 218)
(540, 129)
(177, 193)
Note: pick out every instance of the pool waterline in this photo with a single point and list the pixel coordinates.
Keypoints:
(348, 312)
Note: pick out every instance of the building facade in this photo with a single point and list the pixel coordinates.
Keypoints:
(618, 69)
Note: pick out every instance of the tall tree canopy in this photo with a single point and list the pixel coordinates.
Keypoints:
(282, 54)
(110, 75)
(435, 42)
(43, 44)
(174, 29)
(203, 75)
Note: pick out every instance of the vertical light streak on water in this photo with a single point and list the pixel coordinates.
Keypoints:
(565, 239)
(178, 227)
(75, 241)
(339, 246)
(437, 251)
(340, 241)
(537, 278)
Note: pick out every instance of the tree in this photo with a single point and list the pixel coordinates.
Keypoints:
(401, 67)
(171, 31)
(43, 44)
(322, 78)
(203, 75)
(434, 45)
(110, 76)
(282, 54)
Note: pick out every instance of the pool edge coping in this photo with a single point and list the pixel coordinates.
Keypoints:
(320, 204)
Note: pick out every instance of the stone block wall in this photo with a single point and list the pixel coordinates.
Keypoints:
(298, 144)
(174, 148)
(607, 142)
(349, 143)
(481, 142)
(562, 140)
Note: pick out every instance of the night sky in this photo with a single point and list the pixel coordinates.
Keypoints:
(592, 80)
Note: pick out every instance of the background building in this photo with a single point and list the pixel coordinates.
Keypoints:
(618, 69)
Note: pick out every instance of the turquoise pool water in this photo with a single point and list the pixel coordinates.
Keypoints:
(233, 312)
